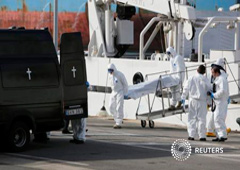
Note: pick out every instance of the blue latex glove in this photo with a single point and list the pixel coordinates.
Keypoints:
(229, 100)
(212, 95)
(183, 102)
(87, 84)
(126, 97)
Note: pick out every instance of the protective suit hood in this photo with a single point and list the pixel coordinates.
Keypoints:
(112, 66)
(172, 51)
(220, 64)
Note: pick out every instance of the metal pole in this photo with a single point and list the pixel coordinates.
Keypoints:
(180, 39)
(200, 39)
(161, 89)
(186, 72)
(236, 42)
(138, 107)
(151, 38)
(141, 44)
(148, 102)
(109, 29)
(175, 37)
(212, 20)
(168, 95)
(149, 107)
(55, 25)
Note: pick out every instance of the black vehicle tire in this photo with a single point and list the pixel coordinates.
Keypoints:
(151, 124)
(143, 123)
(19, 137)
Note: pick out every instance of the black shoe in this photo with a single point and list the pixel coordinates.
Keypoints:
(66, 132)
(222, 139)
(77, 141)
(190, 138)
(179, 106)
(215, 140)
(203, 139)
(171, 108)
(117, 126)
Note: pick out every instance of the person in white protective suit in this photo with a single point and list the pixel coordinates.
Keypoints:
(220, 98)
(79, 128)
(210, 127)
(196, 87)
(177, 66)
(79, 131)
(156, 56)
(119, 87)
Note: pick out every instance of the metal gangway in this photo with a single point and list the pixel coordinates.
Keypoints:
(164, 93)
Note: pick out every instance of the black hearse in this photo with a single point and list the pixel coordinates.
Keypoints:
(36, 91)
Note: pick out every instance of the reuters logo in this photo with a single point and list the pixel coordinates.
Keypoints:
(181, 150)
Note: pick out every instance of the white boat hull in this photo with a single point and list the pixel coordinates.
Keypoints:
(97, 75)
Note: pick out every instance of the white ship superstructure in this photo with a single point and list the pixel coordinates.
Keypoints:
(216, 36)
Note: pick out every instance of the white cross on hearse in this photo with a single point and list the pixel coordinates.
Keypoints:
(74, 70)
(29, 72)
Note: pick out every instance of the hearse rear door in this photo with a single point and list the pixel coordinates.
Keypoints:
(73, 70)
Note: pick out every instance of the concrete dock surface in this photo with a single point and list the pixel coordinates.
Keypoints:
(131, 147)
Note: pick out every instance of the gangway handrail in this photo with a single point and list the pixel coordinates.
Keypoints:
(232, 74)
(187, 68)
(234, 62)
(156, 73)
(232, 81)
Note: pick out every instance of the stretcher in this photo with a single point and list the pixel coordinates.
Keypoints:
(159, 114)
(156, 87)
(139, 90)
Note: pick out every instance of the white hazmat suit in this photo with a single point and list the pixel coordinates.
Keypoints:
(119, 87)
(79, 129)
(177, 66)
(221, 100)
(219, 62)
(197, 87)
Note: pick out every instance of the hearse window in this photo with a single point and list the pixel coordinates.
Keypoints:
(29, 74)
(73, 73)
